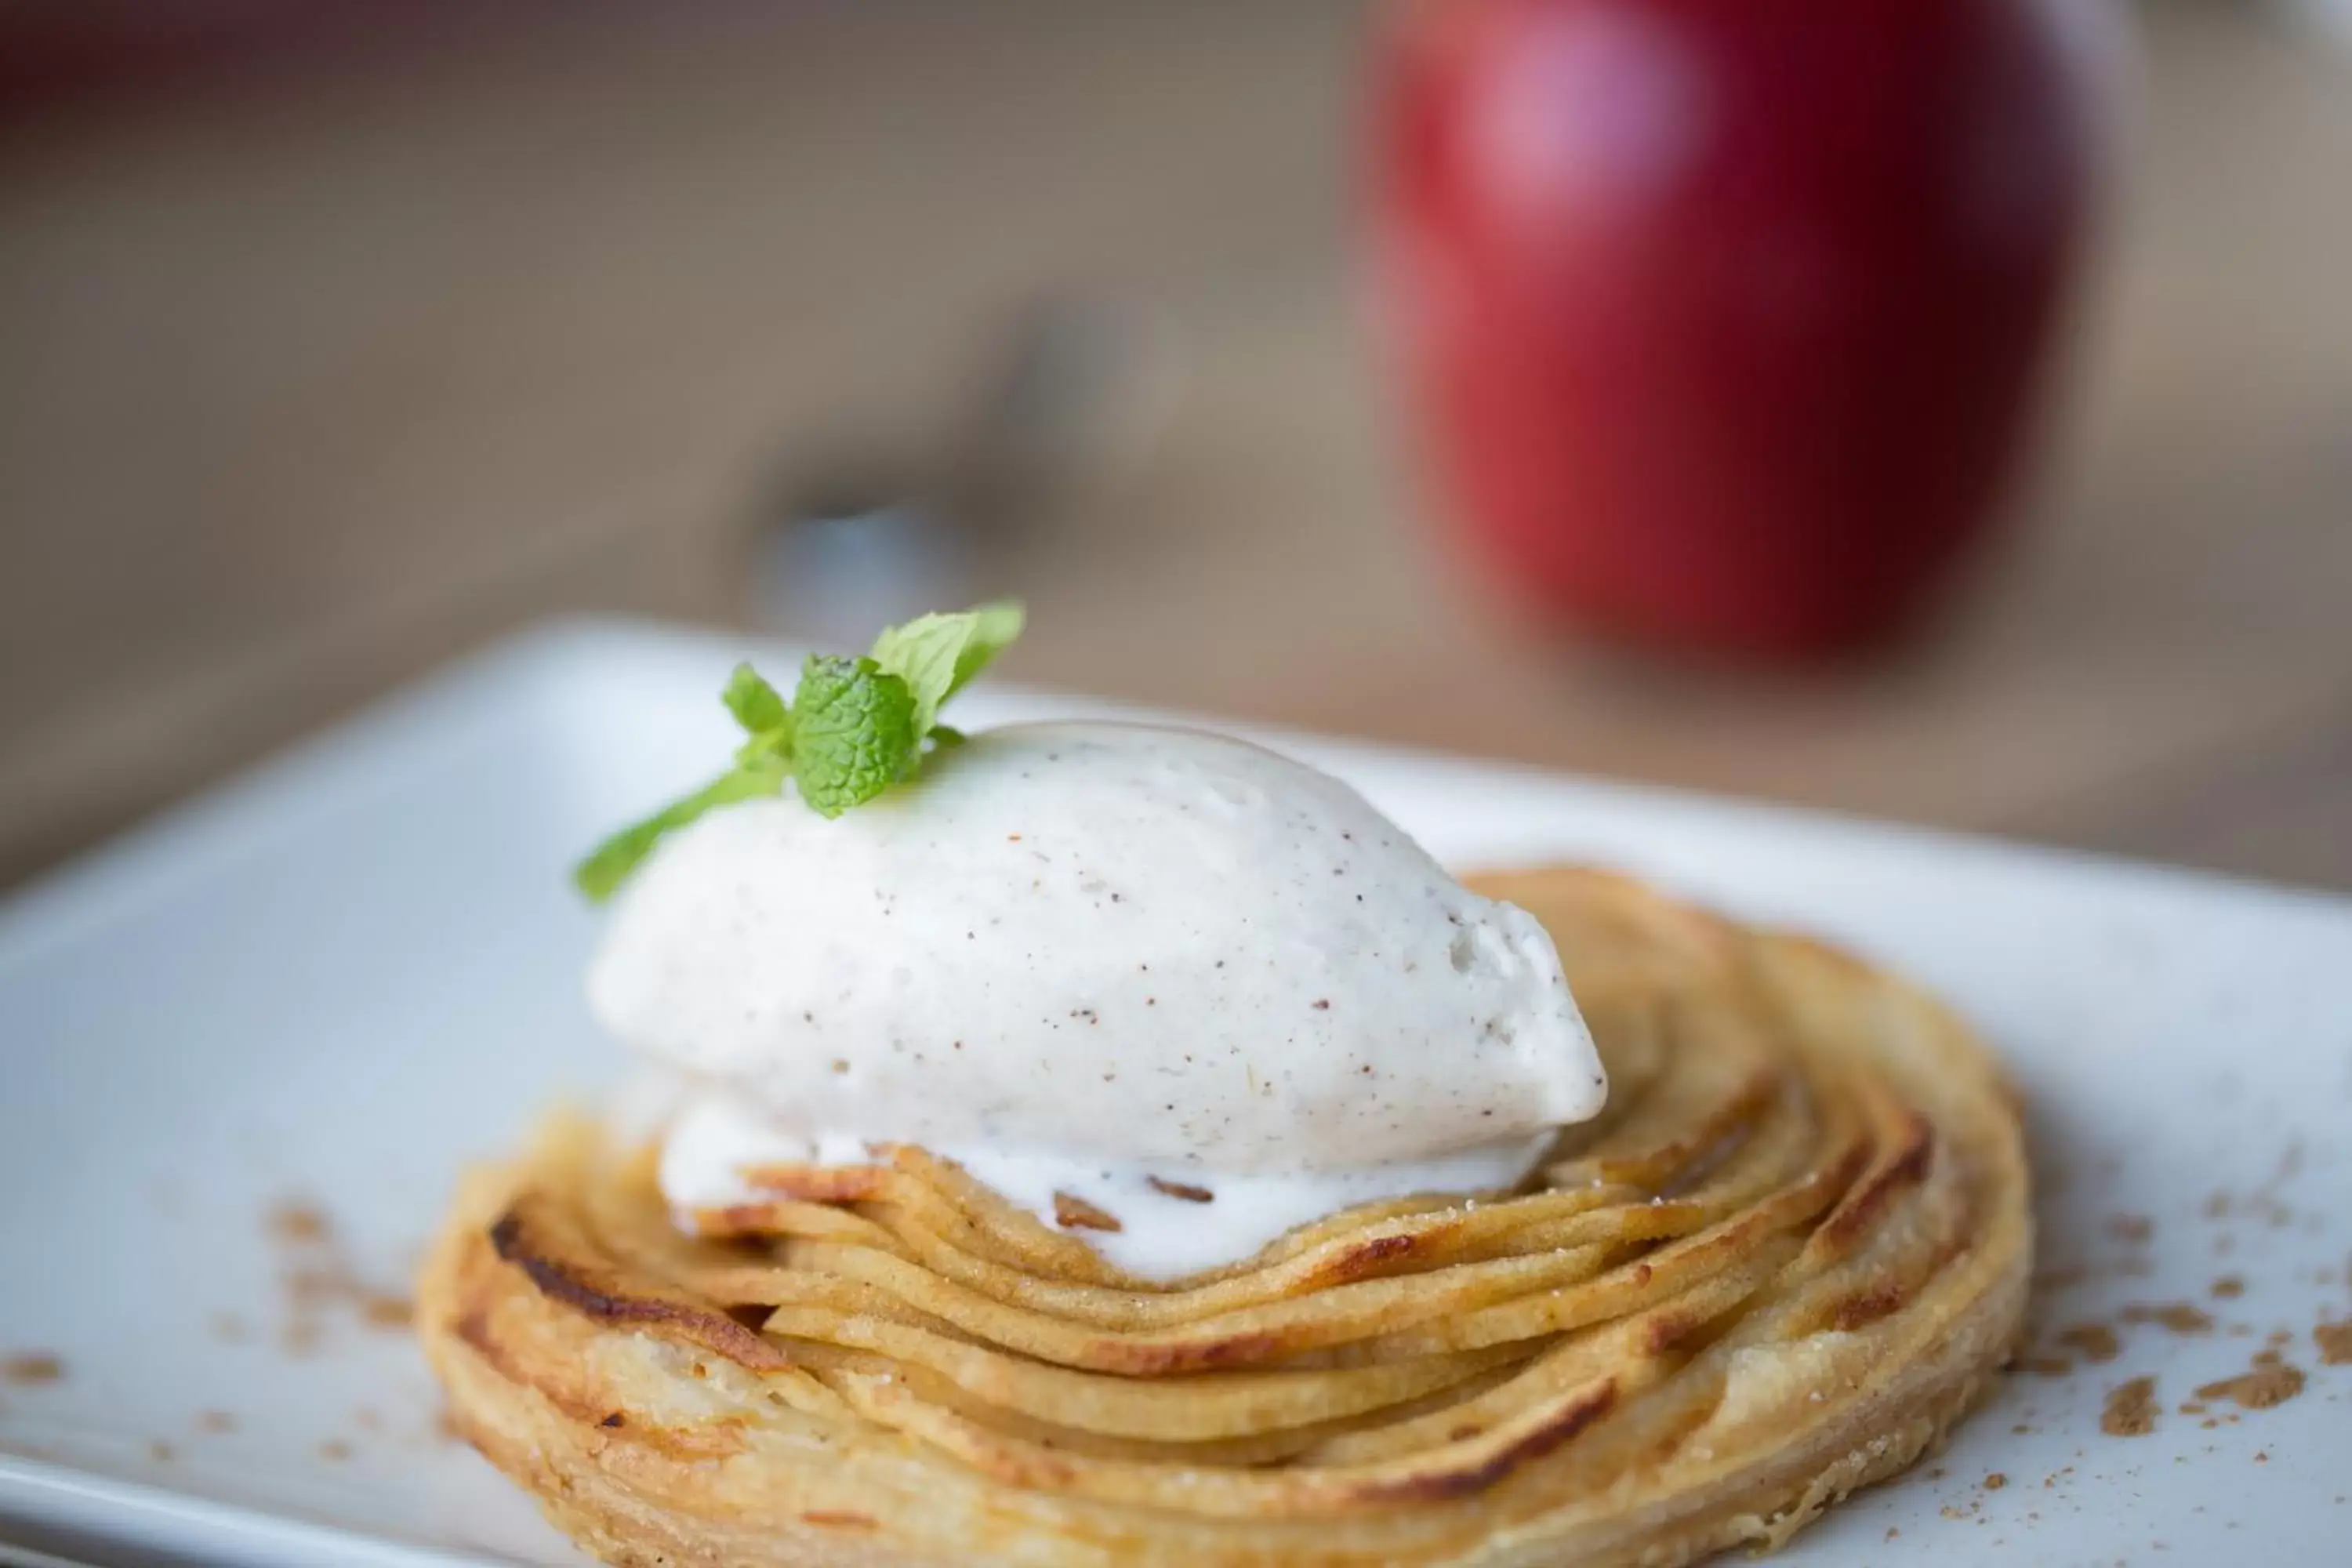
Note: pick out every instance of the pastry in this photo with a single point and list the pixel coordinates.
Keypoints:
(1785, 1257)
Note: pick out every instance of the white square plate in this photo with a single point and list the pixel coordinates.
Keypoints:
(335, 982)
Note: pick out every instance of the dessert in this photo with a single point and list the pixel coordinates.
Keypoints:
(1099, 1144)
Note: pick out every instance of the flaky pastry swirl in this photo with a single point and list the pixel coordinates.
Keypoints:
(1786, 1259)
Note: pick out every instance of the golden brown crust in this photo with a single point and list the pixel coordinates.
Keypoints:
(1779, 1267)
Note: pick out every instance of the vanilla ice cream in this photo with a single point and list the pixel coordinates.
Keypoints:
(1104, 960)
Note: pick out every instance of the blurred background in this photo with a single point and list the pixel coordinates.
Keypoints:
(338, 338)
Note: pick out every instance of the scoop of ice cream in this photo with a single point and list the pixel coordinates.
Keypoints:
(1100, 939)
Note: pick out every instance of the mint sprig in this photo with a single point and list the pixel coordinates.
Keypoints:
(609, 865)
(936, 656)
(854, 733)
(756, 706)
(854, 728)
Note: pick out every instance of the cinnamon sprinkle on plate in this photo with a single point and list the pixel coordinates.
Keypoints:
(2259, 1389)
(2177, 1316)
(2097, 1341)
(2131, 1409)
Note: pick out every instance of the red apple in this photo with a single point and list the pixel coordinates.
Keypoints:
(1724, 319)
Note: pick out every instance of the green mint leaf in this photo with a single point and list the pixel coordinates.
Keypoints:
(760, 709)
(937, 656)
(856, 727)
(756, 706)
(609, 865)
(854, 732)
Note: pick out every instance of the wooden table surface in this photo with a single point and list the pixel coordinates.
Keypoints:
(308, 388)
